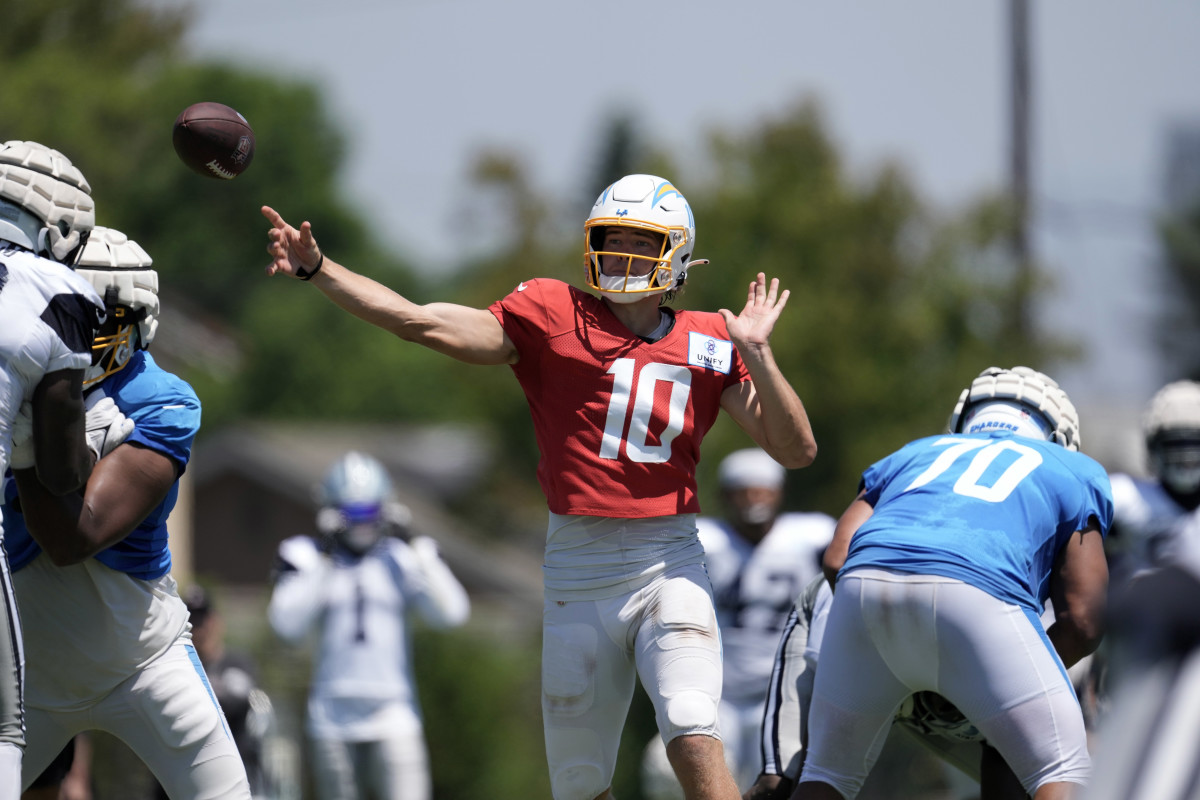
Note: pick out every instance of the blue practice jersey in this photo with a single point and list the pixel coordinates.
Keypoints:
(166, 416)
(992, 510)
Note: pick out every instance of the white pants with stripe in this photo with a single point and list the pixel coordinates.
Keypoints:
(166, 713)
(892, 634)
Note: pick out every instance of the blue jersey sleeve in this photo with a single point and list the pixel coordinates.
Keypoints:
(164, 408)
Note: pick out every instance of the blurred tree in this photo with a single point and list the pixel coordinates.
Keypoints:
(458, 674)
(620, 153)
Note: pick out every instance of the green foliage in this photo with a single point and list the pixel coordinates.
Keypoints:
(483, 721)
(121, 34)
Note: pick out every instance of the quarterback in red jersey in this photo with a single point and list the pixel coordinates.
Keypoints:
(621, 390)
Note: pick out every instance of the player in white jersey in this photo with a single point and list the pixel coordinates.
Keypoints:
(1148, 744)
(107, 638)
(941, 569)
(621, 391)
(758, 560)
(48, 316)
(1152, 517)
(1148, 734)
(356, 588)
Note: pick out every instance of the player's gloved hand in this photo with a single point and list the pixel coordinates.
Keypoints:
(329, 522)
(22, 456)
(106, 427)
(425, 548)
(298, 554)
(398, 518)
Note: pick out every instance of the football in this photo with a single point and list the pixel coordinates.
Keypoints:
(213, 140)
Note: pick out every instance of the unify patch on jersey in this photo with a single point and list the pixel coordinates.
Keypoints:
(709, 352)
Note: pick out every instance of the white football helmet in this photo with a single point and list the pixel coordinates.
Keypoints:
(1171, 426)
(1033, 390)
(120, 271)
(648, 203)
(45, 202)
(359, 489)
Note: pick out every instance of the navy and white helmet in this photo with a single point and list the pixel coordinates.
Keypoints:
(358, 486)
(1020, 399)
(119, 269)
(648, 203)
(1171, 425)
(358, 507)
(45, 202)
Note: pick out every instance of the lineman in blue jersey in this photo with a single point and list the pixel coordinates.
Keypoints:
(943, 565)
(48, 316)
(356, 588)
(108, 643)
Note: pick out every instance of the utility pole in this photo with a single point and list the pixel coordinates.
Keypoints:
(1020, 113)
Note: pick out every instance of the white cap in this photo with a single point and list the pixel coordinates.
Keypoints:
(1005, 415)
(751, 467)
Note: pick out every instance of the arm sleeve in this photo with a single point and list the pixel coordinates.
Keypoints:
(440, 600)
(297, 599)
(168, 427)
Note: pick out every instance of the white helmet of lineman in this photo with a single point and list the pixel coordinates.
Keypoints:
(358, 505)
(1171, 426)
(1020, 399)
(648, 203)
(45, 202)
(119, 269)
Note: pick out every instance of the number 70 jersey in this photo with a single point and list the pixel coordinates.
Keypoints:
(992, 510)
(618, 420)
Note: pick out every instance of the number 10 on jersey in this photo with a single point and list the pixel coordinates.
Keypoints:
(637, 444)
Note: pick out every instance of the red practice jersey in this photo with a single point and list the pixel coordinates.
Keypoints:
(618, 419)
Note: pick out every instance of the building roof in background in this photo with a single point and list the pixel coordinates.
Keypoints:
(429, 466)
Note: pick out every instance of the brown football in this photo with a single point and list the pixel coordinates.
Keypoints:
(213, 140)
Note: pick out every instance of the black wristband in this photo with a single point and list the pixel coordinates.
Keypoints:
(307, 275)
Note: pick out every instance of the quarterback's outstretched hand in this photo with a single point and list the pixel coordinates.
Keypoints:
(293, 252)
(764, 303)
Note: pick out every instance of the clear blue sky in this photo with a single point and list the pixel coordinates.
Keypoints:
(423, 84)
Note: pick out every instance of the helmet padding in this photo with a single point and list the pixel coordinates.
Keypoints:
(45, 183)
(1033, 390)
(119, 269)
